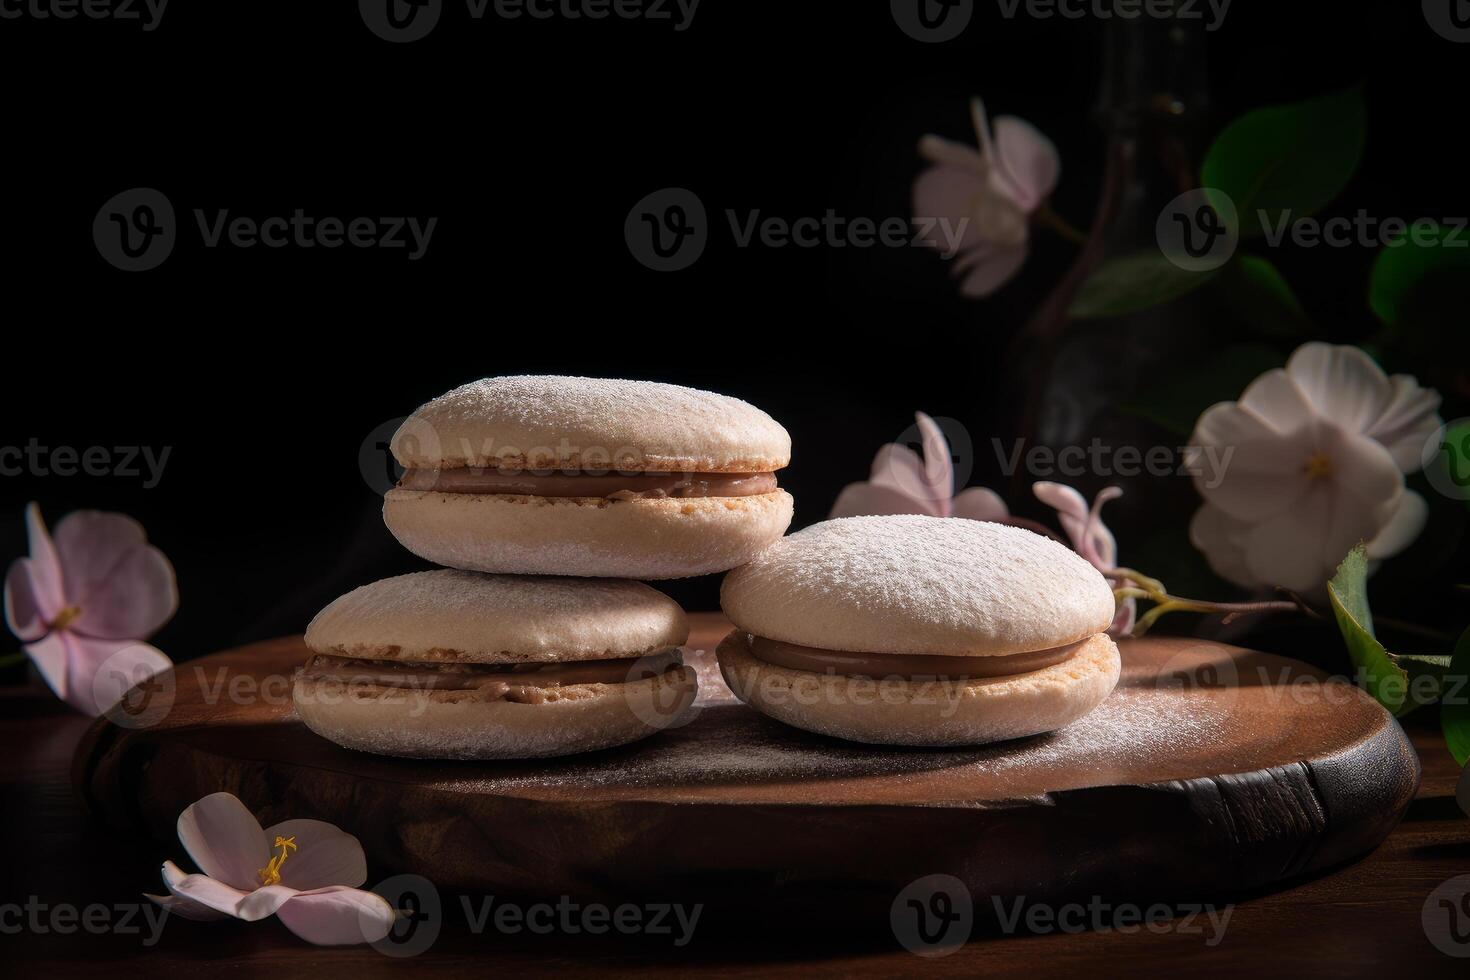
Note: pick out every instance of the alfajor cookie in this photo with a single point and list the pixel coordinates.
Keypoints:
(458, 665)
(920, 631)
(588, 477)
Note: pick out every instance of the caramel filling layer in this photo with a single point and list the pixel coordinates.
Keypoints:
(616, 486)
(495, 680)
(917, 667)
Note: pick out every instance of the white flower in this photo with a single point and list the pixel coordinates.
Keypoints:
(1317, 456)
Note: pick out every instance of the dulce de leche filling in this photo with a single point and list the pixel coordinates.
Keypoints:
(615, 486)
(910, 667)
(511, 682)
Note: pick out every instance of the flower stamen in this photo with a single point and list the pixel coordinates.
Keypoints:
(271, 873)
(1319, 465)
(65, 618)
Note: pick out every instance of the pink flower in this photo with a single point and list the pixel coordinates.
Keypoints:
(1089, 535)
(306, 872)
(902, 483)
(996, 188)
(83, 602)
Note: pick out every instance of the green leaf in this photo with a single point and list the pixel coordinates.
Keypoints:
(1381, 675)
(1255, 294)
(1454, 709)
(1292, 158)
(1409, 259)
(1177, 399)
(11, 659)
(1134, 282)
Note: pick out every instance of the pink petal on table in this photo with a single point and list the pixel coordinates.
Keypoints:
(1402, 529)
(186, 908)
(265, 902)
(179, 905)
(124, 587)
(34, 594)
(204, 890)
(987, 268)
(1343, 383)
(324, 855)
(102, 671)
(52, 655)
(1028, 160)
(872, 499)
(225, 840)
(1408, 420)
(979, 504)
(338, 916)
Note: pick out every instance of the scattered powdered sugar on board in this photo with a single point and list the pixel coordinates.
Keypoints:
(730, 744)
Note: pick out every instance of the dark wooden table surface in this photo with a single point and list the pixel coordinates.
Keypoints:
(71, 890)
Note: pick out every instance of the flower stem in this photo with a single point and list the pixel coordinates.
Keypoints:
(1049, 218)
(1135, 585)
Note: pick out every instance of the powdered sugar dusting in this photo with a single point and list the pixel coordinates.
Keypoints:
(1138, 728)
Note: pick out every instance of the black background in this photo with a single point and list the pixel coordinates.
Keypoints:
(265, 369)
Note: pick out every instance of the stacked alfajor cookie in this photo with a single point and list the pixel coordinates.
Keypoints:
(924, 631)
(594, 482)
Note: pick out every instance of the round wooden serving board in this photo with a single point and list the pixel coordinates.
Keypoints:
(1210, 770)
